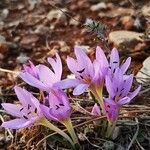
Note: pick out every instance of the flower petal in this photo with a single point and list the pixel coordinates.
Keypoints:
(96, 110)
(101, 57)
(127, 85)
(46, 112)
(23, 95)
(114, 59)
(46, 75)
(67, 83)
(124, 101)
(109, 86)
(72, 65)
(28, 78)
(125, 65)
(80, 89)
(112, 109)
(56, 65)
(12, 109)
(133, 94)
(17, 123)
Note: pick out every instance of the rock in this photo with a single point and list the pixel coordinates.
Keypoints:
(74, 21)
(4, 14)
(127, 22)
(22, 58)
(126, 38)
(41, 29)
(64, 46)
(117, 12)
(2, 39)
(146, 10)
(99, 6)
(144, 73)
(57, 14)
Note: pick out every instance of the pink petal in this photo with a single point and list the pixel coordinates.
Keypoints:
(23, 95)
(16, 123)
(72, 65)
(133, 94)
(32, 81)
(46, 75)
(125, 65)
(124, 101)
(101, 57)
(46, 112)
(80, 89)
(67, 83)
(109, 86)
(12, 109)
(56, 65)
(114, 59)
(96, 110)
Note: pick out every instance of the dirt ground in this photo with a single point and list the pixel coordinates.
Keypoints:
(36, 29)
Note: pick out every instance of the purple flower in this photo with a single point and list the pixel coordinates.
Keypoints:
(96, 110)
(27, 112)
(115, 62)
(31, 69)
(41, 76)
(87, 74)
(59, 108)
(118, 88)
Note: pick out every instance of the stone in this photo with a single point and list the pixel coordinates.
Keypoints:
(99, 6)
(127, 22)
(126, 38)
(144, 73)
(22, 58)
(64, 46)
(57, 14)
(146, 10)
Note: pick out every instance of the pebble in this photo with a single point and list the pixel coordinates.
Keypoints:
(57, 14)
(146, 10)
(127, 38)
(99, 6)
(144, 73)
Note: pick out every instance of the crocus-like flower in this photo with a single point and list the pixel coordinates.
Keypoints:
(27, 112)
(87, 74)
(41, 76)
(114, 62)
(58, 107)
(118, 88)
(96, 110)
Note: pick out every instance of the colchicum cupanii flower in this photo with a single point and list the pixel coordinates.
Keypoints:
(88, 74)
(58, 106)
(41, 76)
(96, 110)
(27, 112)
(114, 62)
(118, 88)
(59, 109)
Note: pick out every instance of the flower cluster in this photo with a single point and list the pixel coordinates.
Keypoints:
(55, 105)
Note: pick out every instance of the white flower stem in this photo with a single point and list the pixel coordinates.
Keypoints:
(98, 93)
(110, 128)
(46, 123)
(68, 124)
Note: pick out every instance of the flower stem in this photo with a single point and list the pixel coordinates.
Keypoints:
(98, 93)
(46, 123)
(110, 128)
(68, 124)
